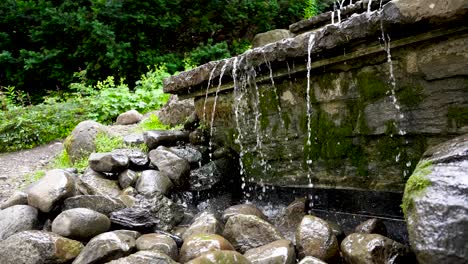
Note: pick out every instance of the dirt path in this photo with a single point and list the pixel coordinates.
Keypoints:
(16, 167)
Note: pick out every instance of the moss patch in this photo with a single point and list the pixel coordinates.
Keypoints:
(371, 87)
(410, 95)
(458, 115)
(416, 184)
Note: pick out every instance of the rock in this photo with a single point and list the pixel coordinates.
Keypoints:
(17, 198)
(191, 154)
(223, 152)
(99, 203)
(108, 162)
(80, 223)
(291, 217)
(248, 231)
(311, 260)
(278, 252)
(220, 256)
(207, 176)
(170, 165)
(129, 117)
(158, 242)
(17, 218)
(134, 139)
(314, 237)
(198, 137)
(373, 248)
(152, 181)
(157, 212)
(106, 247)
(205, 223)
(372, 226)
(436, 205)
(95, 183)
(271, 36)
(128, 200)
(138, 160)
(145, 257)
(54, 187)
(37, 247)
(244, 209)
(192, 122)
(179, 241)
(127, 178)
(130, 191)
(196, 245)
(337, 231)
(176, 112)
(156, 138)
(80, 143)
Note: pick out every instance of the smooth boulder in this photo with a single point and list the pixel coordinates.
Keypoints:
(145, 257)
(99, 203)
(127, 178)
(80, 143)
(95, 183)
(17, 218)
(291, 217)
(156, 138)
(244, 209)
(158, 242)
(80, 223)
(199, 244)
(311, 260)
(129, 117)
(372, 226)
(220, 256)
(152, 181)
(17, 198)
(278, 252)
(204, 223)
(55, 186)
(108, 162)
(138, 160)
(170, 165)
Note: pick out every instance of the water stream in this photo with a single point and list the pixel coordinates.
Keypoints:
(309, 105)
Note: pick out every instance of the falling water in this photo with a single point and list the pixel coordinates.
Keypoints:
(309, 107)
(369, 6)
(207, 89)
(213, 111)
(339, 11)
(275, 91)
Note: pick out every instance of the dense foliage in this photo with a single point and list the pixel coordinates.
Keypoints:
(44, 42)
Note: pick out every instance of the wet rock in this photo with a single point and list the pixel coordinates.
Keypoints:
(278, 252)
(130, 191)
(80, 223)
(244, 209)
(207, 176)
(128, 200)
(99, 203)
(291, 217)
(158, 242)
(435, 204)
(314, 237)
(138, 160)
(223, 152)
(170, 165)
(178, 239)
(337, 231)
(108, 162)
(134, 139)
(17, 218)
(196, 245)
(37, 247)
(152, 181)
(220, 256)
(179, 231)
(145, 257)
(198, 137)
(106, 247)
(127, 178)
(176, 112)
(149, 213)
(156, 138)
(189, 153)
(192, 122)
(271, 36)
(372, 226)
(311, 260)
(248, 231)
(205, 223)
(129, 117)
(373, 248)
(80, 143)
(17, 198)
(95, 183)
(54, 187)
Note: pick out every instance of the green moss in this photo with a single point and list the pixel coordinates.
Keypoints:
(371, 87)
(416, 184)
(410, 95)
(106, 143)
(63, 161)
(33, 177)
(458, 115)
(267, 104)
(152, 123)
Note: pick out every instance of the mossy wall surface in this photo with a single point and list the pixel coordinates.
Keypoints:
(359, 137)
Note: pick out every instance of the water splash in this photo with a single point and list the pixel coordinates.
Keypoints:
(213, 111)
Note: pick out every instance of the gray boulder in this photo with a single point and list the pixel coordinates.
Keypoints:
(16, 198)
(80, 223)
(314, 237)
(220, 256)
(196, 245)
(80, 143)
(248, 231)
(207, 176)
(108, 162)
(271, 36)
(149, 213)
(129, 117)
(158, 242)
(373, 248)
(291, 217)
(135, 139)
(95, 183)
(99, 203)
(189, 153)
(170, 165)
(54, 187)
(145, 257)
(311, 260)
(156, 138)
(106, 247)
(435, 203)
(127, 178)
(138, 160)
(244, 209)
(38, 247)
(205, 223)
(17, 218)
(152, 181)
(176, 112)
(372, 226)
(278, 252)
